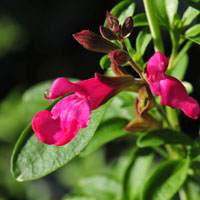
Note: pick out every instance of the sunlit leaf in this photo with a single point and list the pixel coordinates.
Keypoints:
(107, 131)
(32, 159)
(143, 39)
(189, 15)
(140, 20)
(180, 68)
(171, 8)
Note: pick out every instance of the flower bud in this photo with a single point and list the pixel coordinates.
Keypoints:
(94, 42)
(117, 29)
(107, 33)
(118, 70)
(119, 56)
(127, 27)
(143, 123)
(145, 101)
(111, 20)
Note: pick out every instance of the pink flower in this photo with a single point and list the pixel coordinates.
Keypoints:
(170, 89)
(60, 125)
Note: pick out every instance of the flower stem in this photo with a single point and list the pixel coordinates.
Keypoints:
(153, 25)
(173, 118)
(183, 51)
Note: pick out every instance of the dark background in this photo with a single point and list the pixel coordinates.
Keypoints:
(45, 48)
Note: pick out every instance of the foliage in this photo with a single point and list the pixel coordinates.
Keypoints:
(160, 164)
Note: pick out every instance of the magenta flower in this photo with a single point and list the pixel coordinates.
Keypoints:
(170, 89)
(60, 125)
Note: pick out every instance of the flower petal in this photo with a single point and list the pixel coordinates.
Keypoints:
(190, 107)
(172, 92)
(62, 86)
(157, 63)
(62, 124)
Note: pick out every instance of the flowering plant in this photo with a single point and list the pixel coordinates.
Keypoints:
(137, 100)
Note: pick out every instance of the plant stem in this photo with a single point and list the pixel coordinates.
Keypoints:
(153, 24)
(173, 118)
(174, 40)
(183, 51)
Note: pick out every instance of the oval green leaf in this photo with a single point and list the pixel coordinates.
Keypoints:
(31, 159)
(161, 137)
(143, 39)
(105, 62)
(107, 131)
(171, 8)
(166, 180)
(189, 15)
(140, 20)
(137, 173)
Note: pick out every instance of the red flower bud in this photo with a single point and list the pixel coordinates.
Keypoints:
(94, 42)
(118, 70)
(127, 27)
(119, 56)
(107, 33)
(111, 20)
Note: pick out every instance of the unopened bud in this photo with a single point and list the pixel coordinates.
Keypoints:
(117, 28)
(118, 70)
(143, 123)
(127, 27)
(145, 101)
(107, 33)
(111, 20)
(119, 56)
(94, 42)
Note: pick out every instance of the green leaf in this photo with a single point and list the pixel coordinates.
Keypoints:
(78, 197)
(137, 174)
(166, 180)
(105, 62)
(161, 13)
(140, 20)
(189, 15)
(121, 106)
(101, 187)
(161, 137)
(171, 8)
(193, 3)
(188, 87)
(180, 68)
(143, 39)
(194, 33)
(79, 168)
(32, 159)
(123, 10)
(191, 189)
(107, 131)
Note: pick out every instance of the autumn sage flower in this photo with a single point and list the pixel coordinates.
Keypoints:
(170, 89)
(60, 125)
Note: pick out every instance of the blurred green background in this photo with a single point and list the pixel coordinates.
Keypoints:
(36, 44)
